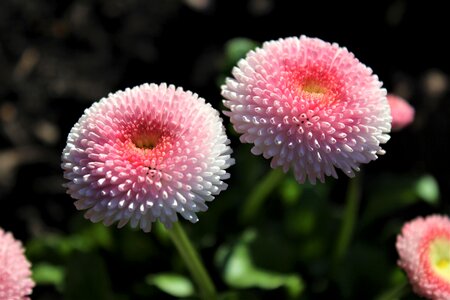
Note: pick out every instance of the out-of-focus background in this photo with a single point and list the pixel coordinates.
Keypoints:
(58, 57)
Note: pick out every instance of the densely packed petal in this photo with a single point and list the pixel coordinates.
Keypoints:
(424, 250)
(146, 154)
(308, 105)
(15, 273)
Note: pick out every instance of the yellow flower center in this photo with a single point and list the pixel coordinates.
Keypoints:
(313, 87)
(440, 257)
(148, 141)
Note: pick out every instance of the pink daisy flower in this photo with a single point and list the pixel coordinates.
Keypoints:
(308, 105)
(402, 112)
(15, 274)
(146, 154)
(424, 250)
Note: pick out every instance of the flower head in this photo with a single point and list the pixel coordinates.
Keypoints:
(15, 274)
(424, 250)
(146, 154)
(402, 112)
(309, 105)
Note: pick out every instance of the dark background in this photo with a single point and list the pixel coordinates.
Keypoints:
(57, 57)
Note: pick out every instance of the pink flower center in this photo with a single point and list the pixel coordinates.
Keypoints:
(147, 143)
(317, 85)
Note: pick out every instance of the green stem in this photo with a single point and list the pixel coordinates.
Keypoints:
(259, 193)
(348, 220)
(193, 262)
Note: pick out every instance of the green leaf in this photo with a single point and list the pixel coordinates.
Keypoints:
(290, 191)
(173, 284)
(392, 193)
(239, 271)
(427, 188)
(44, 273)
(91, 237)
(237, 48)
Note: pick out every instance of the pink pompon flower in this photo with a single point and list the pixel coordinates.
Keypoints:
(424, 250)
(402, 112)
(146, 154)
(15, 273)
(309, 105)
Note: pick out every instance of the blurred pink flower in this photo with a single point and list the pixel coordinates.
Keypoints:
(424, 250)
(309, 105)
(146, 154)
(402, 113)
(15, 274)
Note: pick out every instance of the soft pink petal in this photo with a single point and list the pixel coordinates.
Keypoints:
(145, 154)
(413, 245)
(15, 274)
(402, 112)
(308, 105)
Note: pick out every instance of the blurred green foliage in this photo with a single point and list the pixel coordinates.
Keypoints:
(284, 252)
(240, 271)
(173, 284)
(390, 194)
(266, 237)
(45, 273)
(87, 278)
